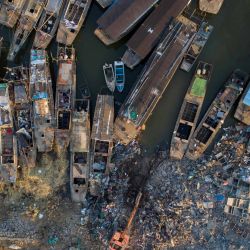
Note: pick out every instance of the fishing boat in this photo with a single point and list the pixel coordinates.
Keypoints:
(216, 114)
(10, 12)
(26, 23)
(196, 46)
(18, 80)
(243, 110)
(190, 111)
(101, 143)
(80, 149)
(109, 76)
(8, 143)
(48, 23)
(72, 21)
(40, 89)
(65, 96)
(119, 75)
(210, 6)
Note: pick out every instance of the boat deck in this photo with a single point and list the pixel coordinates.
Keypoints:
(152, 82)
(210, 6)
(5, 106)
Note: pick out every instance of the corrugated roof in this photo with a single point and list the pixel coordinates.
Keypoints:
(149, 33)
(122, 16)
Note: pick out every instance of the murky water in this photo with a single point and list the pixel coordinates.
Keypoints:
(228, 48)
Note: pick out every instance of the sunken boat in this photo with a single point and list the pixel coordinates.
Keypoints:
(65, 96)
(80, 149)
(216, 114)
(243, 110)
(40, 89)
(109, 75)
(48, 23)
(152, 82)
(101, 142)
(210, 6)
(72, 20)
(105, 3)
(196, 46)
(8, 142)
(190, 111)
(26, 24)
(10, 12)
(18, 80)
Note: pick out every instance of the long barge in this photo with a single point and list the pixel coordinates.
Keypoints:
(121, 18)
(153, 81)
(48, 23)
(40, 90)
(8, 142)
(18, 80)
(147, 36)
(80, 149)
(101, 142)
(72, 20)
(26, 24)
(216, 114)
(242, 112)
(65, 96)
(190, 111)
(10, 12)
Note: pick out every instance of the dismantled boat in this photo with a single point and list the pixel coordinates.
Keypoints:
(10, 12)
(119, 75)
(190, 111)
(210, 6)
(109, 76)
(65, 95)
(18, 78)
(80, 149)
(26, 23)
(48, 23)
(216, 114)
(42, 97)
(196, 46)
(101, 142)
(8, 144)
(243, 110)
(72, 21)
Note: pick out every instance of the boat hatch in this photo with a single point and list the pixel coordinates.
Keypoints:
(183, 131)
(189, 112)
(79, 181)
(80, 157)
(204, 134)
(100, 163)
(48, 26)
(63, 119)
(102, 147)
(212, 122)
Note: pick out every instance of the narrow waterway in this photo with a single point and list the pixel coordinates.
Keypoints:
(227, 49)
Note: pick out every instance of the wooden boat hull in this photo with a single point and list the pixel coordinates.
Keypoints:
(48, 24)
(67, 32)
(109, 76)
(242, 112)
(190, 111)
(210, 6)
(216, 115)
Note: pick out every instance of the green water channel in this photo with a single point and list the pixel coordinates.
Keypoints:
(228, 48)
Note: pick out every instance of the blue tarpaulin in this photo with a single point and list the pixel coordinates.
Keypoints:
(40, 95)
(246, 99)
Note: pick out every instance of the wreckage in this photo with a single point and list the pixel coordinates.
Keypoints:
(65, 96)
(18, 80)
(42, 97)
(48, 23)
(26, 24)
(101, 142)
(80, 148)
(190, 111)
(72, 21)
(8, 142)
(10, 12)
(216, 114)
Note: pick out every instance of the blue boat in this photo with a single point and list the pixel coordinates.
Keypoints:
(119, 75)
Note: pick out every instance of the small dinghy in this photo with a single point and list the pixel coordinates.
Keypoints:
(109, 76)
